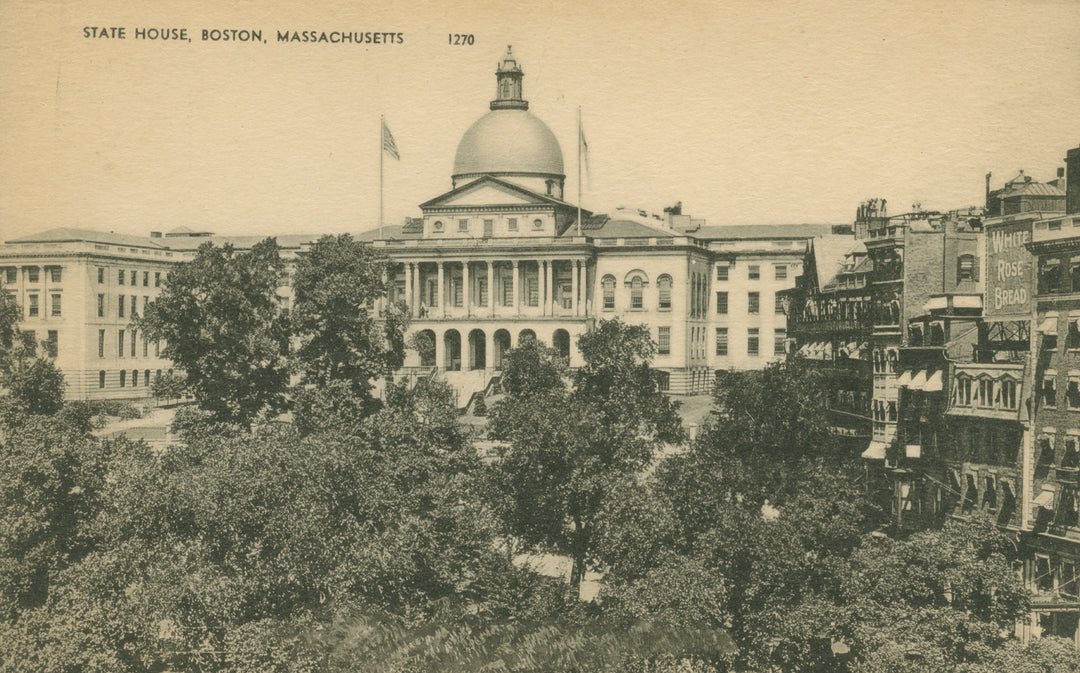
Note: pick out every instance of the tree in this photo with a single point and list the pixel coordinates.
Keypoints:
(336, 284)
(219, 319)
(169, 386)
(566, 450)
(34, 384)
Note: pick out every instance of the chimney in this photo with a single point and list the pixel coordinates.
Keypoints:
(1072, 181)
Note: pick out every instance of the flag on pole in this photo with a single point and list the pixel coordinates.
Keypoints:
(388, 144)
(584, 152)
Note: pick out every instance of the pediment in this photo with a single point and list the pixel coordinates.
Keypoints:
(487, 192)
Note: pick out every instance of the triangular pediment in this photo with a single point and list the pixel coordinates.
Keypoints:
(489, 191)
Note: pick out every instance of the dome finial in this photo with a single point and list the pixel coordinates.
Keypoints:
(508, 76)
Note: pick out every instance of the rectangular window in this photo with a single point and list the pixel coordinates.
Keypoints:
(134, 378)
(779, 341)
(55, 305)
(508, 290)
(123, 377)
(157, 279)
(146, 303)
(101, 379)
(133, 342)
(489, 228)
(752, 338)
(134, 275)
(32, 274)
(983, 393)
(663, 340)
(120, 343)
(778, 304)
(120, 307)
(101, 343)
(637, 294)
(1072, 394)
(52, 343)
(721, 303)
(101, 279)
(463, 225)
(753, 272)
(511, 224)
(532, 290)
(721, 341)
(145, 347)
(120, 276)
(781, 271)
(146, 279)
(10, 275)
(32, 309)
(1049, 392)
(55, 274)
(482, 291)
(963, 392)
(722, 273)
(753, 302)
(134, 306)
(157, 348)
(664, 287)
(101, 306)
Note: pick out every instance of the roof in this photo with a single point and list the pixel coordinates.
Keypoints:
(239, 242)
(746, 231)
(510, 141)
(65, 234)
(1032, 189)
(430, 203)
(829, 253)
(388, 232)
(623, 224)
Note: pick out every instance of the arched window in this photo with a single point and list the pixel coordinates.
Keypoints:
(663, 285)
(636, 280)
(608, 285)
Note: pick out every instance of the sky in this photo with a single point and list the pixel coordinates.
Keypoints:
(747, 112)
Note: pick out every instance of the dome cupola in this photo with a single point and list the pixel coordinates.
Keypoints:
(509, 142)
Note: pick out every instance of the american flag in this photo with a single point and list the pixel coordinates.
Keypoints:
(388, 144)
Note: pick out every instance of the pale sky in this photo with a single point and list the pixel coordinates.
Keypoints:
(748, 112)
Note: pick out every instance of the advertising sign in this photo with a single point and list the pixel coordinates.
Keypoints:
(1009, 270)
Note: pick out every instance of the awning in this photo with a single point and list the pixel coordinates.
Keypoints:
(876, 451)
(967, 301)
(918, 382)
(1049, 323)
(1045, 500)
(936, 303)
(933, 382)
(905, 378)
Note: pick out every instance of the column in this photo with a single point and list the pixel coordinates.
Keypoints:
(547, 286)
(465, 294)
(582, 305)
(442, 293)
(408, 286)
(489, 349)
(416, 291)
(380, 306)
(491, 286)
(575, 269)
(515, 278)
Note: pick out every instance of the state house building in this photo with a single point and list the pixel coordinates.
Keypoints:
(499, 257)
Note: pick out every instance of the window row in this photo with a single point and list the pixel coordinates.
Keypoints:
(753, 303)
(1058, 274)
(885, 360)
(985, 393)
(121, 304)
(753, 272)
(1047, 392)
(131, 276)
(1070, 456)
(34, 305)
(753, 341)
(636, 282)
(127, 341)
(123, 380)
(33, 274)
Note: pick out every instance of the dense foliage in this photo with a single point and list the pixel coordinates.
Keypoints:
(218, 316)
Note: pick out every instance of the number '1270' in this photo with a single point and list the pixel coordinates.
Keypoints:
(457, 39)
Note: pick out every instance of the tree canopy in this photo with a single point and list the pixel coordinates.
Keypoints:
(219, 319)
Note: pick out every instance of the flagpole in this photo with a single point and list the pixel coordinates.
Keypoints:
(579, 170)
(382, 141)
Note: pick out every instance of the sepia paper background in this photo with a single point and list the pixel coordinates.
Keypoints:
(747, 112)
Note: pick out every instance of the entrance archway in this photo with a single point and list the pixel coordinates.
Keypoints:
(502, 344)
(561, 341)
(452, 348)
(477, 349)
(425, 346)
